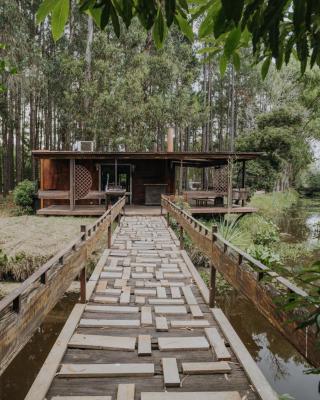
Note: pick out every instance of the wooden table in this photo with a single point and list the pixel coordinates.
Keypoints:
(203, 201)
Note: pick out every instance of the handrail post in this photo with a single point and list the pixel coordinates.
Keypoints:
(109, 234)
(83, 284)
(214, 230)
(212, 288)
(181, 237)
(83, 229)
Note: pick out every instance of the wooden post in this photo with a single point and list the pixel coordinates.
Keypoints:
(243, 183)
(83, 283)
(214, 230)
(71, 185)
(109, 235)
(181, 237)
(83, 229)
(212, 288)
(230, 181)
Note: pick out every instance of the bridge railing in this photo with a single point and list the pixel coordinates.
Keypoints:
(24, 309)
(259, 283)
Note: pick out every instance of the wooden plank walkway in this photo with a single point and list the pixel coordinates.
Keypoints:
(147, 332)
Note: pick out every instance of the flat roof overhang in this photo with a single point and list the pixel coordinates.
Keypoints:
(196, 159)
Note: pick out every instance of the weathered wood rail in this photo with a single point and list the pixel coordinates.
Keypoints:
(250, 277)
(24, 309)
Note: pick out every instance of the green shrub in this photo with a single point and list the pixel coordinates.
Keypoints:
(22, 196)
(267, 256)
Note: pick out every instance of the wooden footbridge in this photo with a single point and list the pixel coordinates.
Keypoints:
(146, 326)
(146, 331)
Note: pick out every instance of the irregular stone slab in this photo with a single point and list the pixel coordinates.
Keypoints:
(190, 396)
(173, 310)
(144, 345)
(187, 292)
(204, 368)
(189, 323)
(105, 299)
(161, 292)
(102, 342)
(126, 391)
(170, 372)
(113, 309)
(145, 292)
(118, 323)
(217, 344)
(166, 301)
(105, 370)
(183, 343)
(196, 311)
(146, 315)
(161, 324)
(175, 292)
(112, 275)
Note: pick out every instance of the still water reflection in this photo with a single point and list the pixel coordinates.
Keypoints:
(282, 365)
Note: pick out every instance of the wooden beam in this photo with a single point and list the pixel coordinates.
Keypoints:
(49, 368)
(254, 373)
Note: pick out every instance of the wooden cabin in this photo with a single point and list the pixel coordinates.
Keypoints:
(77, 182)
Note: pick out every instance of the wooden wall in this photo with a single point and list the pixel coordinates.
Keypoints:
(55, 175)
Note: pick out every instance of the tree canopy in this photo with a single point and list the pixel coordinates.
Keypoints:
(275, 29)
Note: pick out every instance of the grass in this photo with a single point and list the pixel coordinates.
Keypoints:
(273, 205)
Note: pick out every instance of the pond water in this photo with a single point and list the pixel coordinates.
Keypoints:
(301, 223)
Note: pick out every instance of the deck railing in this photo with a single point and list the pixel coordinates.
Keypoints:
(25, 308)
(256, 281)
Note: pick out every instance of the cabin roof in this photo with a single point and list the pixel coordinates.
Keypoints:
(201, 158)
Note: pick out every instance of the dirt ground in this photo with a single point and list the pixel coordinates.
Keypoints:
(36, 235)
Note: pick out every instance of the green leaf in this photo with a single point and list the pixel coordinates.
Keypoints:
(223, 65)
(46, 7)
(105, 14)
(233, 9)
(60, 16)
(170, 6)
(115, 21)
(185, 27)
(265, 67)
(127, 12)
(96, 15)
(86, 4)
(158, 31)
(184, 4)
(232, 42)
(236, 60)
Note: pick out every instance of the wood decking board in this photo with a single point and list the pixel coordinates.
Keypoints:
(126, 355)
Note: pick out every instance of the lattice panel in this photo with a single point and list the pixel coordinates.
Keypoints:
(220, 179)
(83, 182)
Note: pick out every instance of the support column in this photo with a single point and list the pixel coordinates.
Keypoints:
(230, 181)
(71, 185)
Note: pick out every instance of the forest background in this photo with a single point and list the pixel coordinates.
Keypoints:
(124, 93)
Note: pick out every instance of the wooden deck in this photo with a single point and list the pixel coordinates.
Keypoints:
(146, 331)
(88, 210)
